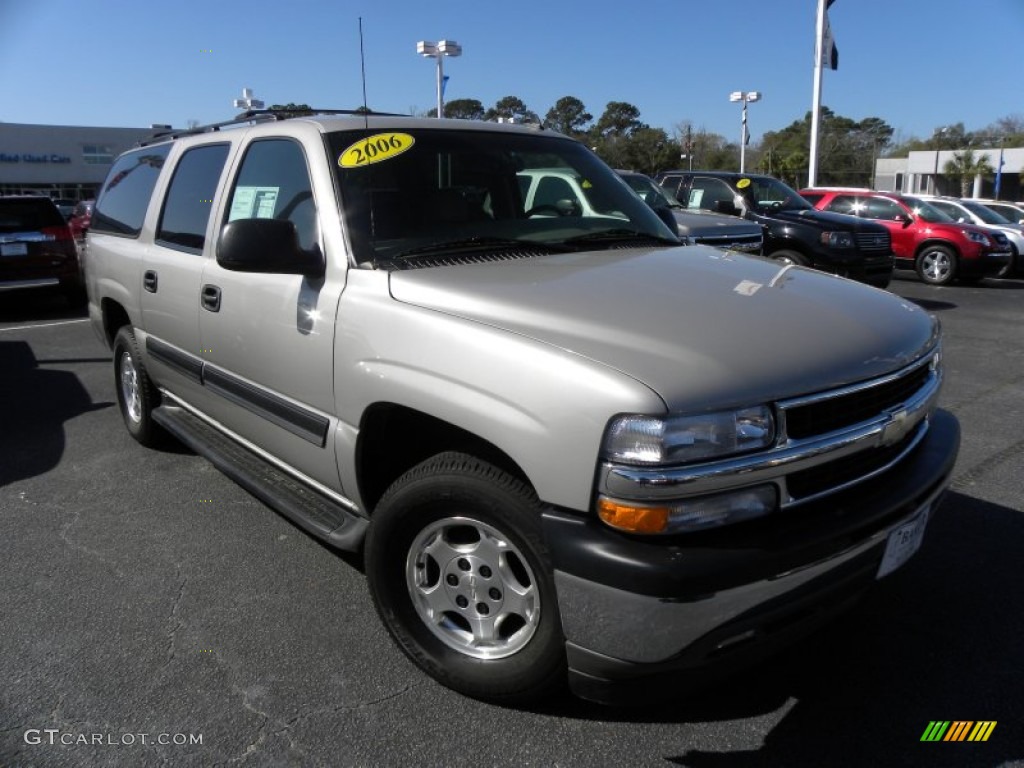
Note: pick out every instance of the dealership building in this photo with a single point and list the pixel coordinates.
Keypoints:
(67, 161)
(923, 172)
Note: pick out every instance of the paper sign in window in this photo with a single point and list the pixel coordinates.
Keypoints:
(253, 203)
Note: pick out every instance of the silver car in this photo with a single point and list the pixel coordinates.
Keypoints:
(569, 449)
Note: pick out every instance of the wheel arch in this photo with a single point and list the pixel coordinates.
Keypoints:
(933, 241)
(394, 438)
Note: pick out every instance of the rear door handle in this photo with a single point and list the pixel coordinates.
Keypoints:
(149, 281)
(211, 298)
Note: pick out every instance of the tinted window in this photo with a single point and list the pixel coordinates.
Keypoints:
(122, 203)
(274, 184)
(843, 204)
(881, 208)
(28, 215)
(190, 196)
(706, 193)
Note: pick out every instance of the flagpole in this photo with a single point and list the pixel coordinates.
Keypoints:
(812, 170)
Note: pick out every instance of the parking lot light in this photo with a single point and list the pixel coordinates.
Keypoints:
(746, 97)
(438, 51)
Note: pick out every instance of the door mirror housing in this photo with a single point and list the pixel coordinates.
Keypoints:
(267, 245)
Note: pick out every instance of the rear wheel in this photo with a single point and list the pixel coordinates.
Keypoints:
(936, 265)
(136, 395)
(460, 576)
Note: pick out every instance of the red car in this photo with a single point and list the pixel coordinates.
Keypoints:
(81, 218)
(923, 238)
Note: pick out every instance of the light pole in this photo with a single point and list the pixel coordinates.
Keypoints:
(746, 97)
(939, 133)
(439, 51)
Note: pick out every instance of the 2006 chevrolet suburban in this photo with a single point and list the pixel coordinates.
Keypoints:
(566, 446)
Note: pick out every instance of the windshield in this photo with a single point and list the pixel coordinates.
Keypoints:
(986, 214)
(926, 212)
(766, 195)
(441, 191)
(652, 194)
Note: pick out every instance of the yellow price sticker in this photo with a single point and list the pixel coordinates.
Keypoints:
(742, 183)
(375, 149)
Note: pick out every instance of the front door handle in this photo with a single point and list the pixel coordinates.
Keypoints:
(149, 281)
(211, 298)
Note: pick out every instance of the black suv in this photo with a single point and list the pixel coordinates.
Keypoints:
(794, 231)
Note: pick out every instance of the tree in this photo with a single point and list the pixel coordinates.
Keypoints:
(511, 108)
(650, 150)
(619, 120)
(292, 110)
(965, 165)
(568, 116)
(464, 109)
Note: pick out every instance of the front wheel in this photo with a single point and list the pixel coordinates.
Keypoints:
(936, 265)
(793, 258)
(460, 576)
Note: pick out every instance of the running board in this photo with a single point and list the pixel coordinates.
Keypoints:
(310, 510)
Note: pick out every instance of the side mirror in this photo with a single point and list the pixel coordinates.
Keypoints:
(266, 245)
(727, 207)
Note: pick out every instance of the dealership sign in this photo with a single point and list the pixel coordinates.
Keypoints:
(29, 157)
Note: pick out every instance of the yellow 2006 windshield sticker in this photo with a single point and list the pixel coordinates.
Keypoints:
(742, 183)
(375, 149)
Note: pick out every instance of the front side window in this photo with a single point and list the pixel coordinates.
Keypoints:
(765, 195)
(844, 204)
(881, 209)
(423, 191)
(190, 197)
(273, 183)
(124, 198)
(926, 211)
(709, 193)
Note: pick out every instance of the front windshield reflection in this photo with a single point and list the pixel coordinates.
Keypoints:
(450, 191)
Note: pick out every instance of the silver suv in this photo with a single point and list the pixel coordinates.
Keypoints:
(566, 446)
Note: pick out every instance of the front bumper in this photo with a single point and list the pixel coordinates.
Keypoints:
(634, 609)
(987, 264)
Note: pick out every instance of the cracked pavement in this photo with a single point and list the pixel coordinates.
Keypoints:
(143, 592)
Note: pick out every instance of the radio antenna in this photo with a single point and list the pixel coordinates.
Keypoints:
(362, 65)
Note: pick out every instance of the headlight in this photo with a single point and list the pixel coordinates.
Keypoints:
(976, 237)
(837, 239)
(677, 439)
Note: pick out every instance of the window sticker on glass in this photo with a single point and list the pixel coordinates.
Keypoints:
(375, 149)
(253, 203)
(742, 183)
(695, 197)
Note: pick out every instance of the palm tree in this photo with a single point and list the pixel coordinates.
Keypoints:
(966, 165)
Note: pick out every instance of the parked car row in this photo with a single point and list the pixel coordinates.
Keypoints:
(925, 238)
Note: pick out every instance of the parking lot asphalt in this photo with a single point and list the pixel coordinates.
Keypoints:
(146, 601)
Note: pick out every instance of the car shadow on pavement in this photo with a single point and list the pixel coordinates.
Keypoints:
(37, 305)
(939, 640)
(34, 404)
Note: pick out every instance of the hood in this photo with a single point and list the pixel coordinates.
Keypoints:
(826, 220)
(698, 223)
(701, 327)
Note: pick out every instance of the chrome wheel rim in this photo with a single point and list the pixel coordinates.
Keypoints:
(130, 388)
(473, 588)
(936, 266)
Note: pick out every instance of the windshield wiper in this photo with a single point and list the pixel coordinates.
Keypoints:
(476, 244)
(618, 236)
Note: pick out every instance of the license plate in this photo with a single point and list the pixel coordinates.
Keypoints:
(904, 542)
(14, 249)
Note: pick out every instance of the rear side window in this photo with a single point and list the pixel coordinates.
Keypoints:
(190, 197)
(27, 215)
(122, 203)
(844, 204)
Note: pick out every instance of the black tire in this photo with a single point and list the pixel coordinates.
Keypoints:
(456, 540)
(936, 265)
(136, 395)
(791, 257)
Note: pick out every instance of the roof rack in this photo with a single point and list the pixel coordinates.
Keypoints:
(254, 115)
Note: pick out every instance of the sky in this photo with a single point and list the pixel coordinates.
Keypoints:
(917, 64)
